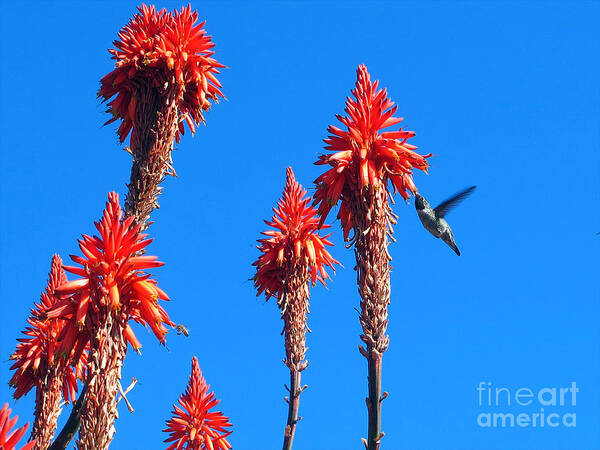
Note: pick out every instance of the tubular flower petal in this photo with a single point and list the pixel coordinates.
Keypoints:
(36, 353)
(193, 426)
(113, 280)
(363, 155)
(294, 239)
(8, 438)
(162, 48)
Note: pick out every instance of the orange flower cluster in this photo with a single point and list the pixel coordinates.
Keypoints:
(36, 352)
(295, 238)
(113, 278)
(192, 426)
(364, 156)
(162, 48)
(8, 439)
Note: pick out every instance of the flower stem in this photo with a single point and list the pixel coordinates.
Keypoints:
(72, 425)
(293, 405)
(374, 401)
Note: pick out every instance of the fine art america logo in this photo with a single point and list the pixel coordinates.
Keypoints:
(503, 407)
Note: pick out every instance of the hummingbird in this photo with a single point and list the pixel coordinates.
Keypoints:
(433, 219)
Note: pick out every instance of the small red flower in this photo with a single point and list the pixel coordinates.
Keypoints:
(8, 439)
(363, 155)
(36, 352)
(161, 49)
(193, 427)
(113, 278)
(295, 238)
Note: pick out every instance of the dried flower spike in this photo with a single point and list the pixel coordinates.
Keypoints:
(193, 426)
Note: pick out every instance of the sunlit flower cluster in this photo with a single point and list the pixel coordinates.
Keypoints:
(37, 351)
(295, 237)
(160, 48)
(363, 155)
(193, 426)
(112, 278)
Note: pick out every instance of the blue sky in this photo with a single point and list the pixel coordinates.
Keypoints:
(505, 94)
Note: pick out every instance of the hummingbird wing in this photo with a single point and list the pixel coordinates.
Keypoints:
(443, 208)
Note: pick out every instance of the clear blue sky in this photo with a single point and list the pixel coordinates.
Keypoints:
(505, 94)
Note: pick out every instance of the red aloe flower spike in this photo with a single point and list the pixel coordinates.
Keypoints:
(364, 155)
(294, 239)
(293, 256)
(365, 161)
(193, 426)
(158, 47)
(164, 74)
(8, 438)
(97, 308)
(38, 364)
